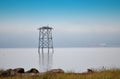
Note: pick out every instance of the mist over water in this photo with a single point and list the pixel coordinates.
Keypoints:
(68, 59)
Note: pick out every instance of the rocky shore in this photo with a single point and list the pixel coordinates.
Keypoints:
(31, 72)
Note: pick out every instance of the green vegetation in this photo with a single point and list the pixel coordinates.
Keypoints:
(104, 74)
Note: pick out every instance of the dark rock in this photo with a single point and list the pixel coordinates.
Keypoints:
(56, 71)
(11, 72)
(1, 71)
(4, 73)
(33, 70)
(19, 70)
(8, 72)
(90, 71)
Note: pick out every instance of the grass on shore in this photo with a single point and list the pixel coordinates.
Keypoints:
(104, 74)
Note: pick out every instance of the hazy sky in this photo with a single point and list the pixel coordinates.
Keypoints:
(76, 23)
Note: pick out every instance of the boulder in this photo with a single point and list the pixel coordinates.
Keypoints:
(56, 71)
(33, 70)
(90, 71)
(19, 70)
(1, 71)
(4, 73)
(8, 72)
(11, 72)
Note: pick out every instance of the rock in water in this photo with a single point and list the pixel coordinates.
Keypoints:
(19, 70)
(90, 71)
(33, 70)
(56, 71)
(8, 72)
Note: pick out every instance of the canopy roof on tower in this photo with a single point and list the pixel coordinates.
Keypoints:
(45, 27)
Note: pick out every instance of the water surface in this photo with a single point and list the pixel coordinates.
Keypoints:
(69, 59)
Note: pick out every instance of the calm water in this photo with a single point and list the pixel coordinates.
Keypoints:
(69, 59)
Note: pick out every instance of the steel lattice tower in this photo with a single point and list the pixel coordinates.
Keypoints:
(45, 48)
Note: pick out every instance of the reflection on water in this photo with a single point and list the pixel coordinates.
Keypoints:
(45, 61)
